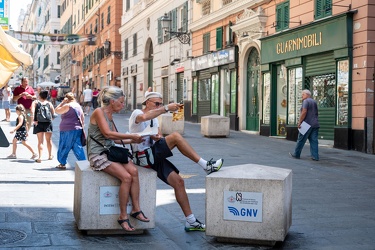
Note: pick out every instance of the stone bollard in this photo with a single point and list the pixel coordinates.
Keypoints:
(252, 204)
(96, 205)
(168, 126)
(215, 126)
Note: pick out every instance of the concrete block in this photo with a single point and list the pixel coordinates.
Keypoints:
(168, 126)
(252, 203)
(215, 126)
(96, 206)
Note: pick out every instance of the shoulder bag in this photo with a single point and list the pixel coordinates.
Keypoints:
(115, 153)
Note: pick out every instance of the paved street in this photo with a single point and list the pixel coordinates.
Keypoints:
(333, 199)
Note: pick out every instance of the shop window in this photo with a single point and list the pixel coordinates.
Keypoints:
(266, 98)
(219, 38)
(206, 43)
(294, 95)
(204, 89)
(226, 92)
(195, 96)
(282, 16)
(215, 94)
(342, 92)
(323, 8)
(233, 92)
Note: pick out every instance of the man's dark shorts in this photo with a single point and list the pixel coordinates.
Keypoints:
(162, 166)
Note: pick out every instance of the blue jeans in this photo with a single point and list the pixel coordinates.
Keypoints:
(312, 135)
(70, 140)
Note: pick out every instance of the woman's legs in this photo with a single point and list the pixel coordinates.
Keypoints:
(134, 189)
(65, 145)
(117, 170)
(40, 136)
(49, 144)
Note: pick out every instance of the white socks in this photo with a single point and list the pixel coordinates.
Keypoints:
(202, 163)
(191, 219)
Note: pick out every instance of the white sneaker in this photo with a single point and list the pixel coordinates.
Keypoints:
(196, 226)
(214, 166)
(34, 156)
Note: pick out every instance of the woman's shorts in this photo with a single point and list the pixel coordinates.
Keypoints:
(5, 104)
(99, 162)
(43, 127)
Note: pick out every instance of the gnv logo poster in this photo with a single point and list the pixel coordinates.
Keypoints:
(243, 206)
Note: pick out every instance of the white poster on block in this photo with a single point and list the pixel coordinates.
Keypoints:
(243, 206)
(109, 202)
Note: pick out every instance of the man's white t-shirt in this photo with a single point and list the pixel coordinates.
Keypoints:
(87, 95)
(140, 127)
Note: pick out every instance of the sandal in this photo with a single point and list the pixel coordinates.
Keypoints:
(38, 160)
(50, 158)
(135, 215)
(129, 225)
(60, 166)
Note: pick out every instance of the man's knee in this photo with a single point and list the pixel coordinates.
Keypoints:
(176, 181)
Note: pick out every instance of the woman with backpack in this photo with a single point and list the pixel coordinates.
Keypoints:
(43, 114)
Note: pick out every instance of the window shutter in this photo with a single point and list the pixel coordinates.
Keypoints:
(185, 18)
(174, 20)
(318, 9)
(160, 32)
(219, 38)
(286, 15)
(328, 8)
(278, 18)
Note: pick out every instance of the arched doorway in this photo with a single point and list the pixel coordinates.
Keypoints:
(252, 82)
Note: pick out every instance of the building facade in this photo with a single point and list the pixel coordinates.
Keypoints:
(326, 47)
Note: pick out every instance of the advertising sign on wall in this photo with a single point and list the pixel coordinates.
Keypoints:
(243, 206)
(109, 202)
(4, 14)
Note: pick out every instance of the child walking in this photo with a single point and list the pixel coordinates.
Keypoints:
(21, 132)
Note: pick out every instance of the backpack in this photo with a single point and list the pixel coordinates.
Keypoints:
(44, 113)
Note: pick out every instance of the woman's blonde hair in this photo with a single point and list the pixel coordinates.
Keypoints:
(70, 96)
(109, 93)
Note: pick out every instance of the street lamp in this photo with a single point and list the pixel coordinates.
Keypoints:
(183, 37)
(107, 47)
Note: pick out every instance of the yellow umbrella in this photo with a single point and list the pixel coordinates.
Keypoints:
(11, 57)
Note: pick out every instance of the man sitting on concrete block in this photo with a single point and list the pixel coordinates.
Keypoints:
(161, 149)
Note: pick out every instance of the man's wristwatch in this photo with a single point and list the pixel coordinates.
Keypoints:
(166, 108)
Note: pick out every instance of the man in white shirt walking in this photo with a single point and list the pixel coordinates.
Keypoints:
(87, 98)
(7, 93)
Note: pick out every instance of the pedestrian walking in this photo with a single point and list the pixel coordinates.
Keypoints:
(21, 133)
(43, 114)
(162, 149)
(7, 94)
(309, 115)
(25, 95)
(53, 93)
(71, 129)
(87, 99)
(103, 130)
(95, 94)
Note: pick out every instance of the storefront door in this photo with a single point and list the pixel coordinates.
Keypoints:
(252, 100)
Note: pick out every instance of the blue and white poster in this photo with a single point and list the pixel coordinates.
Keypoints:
(243, 206)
